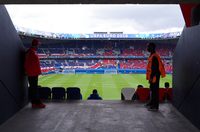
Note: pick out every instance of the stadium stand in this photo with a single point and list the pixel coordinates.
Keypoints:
(104, 55)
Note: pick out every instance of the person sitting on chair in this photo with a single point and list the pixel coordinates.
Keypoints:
(94, 96)
(135, 96)
(167, 87)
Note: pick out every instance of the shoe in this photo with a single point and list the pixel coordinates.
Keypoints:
(41, 105)
(152, 108)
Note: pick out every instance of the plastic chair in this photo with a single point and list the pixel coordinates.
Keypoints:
(44, 93)
(127, 93)
(58, 93)
(73, 93)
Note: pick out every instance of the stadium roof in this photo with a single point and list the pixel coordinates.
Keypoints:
(97, 1)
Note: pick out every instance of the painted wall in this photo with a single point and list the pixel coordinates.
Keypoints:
(186, 76)
(13, 87)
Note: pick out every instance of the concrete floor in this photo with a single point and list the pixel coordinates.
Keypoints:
(98, 116)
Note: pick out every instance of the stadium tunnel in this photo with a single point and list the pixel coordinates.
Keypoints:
(186, 63)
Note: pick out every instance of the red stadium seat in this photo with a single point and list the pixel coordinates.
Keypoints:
(143, 94)
(169, 94)
(162, 93)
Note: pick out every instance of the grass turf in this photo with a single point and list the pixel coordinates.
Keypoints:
(108, 85)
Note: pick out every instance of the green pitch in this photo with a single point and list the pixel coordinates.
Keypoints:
(108, 85)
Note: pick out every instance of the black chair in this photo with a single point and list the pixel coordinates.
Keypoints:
(58, 93)
(44, 93)
(73, 93)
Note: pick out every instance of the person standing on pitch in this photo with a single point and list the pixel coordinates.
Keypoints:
(32, 69)
(155, 68)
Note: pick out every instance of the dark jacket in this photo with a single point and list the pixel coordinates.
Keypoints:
(94, 97)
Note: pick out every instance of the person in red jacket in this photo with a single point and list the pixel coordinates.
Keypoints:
(32, 69)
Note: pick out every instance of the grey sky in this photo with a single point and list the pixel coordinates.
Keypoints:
(98, 18)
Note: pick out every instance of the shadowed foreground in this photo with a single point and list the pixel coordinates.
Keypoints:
(98, 116)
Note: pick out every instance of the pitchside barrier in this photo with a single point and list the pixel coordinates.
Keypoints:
(69, 71)
(100, 71)
(108, 71)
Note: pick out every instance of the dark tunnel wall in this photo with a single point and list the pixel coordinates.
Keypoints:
(186, 75)
(13, 91)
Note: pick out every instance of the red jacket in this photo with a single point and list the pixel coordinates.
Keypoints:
(32, 63)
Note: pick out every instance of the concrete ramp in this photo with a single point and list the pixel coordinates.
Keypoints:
(98, 116)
